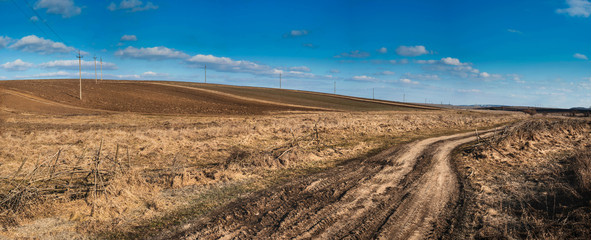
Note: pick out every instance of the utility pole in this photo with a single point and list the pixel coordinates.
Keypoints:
(403, 95)
(95, 76)
(80, 71)
(205, 67)
(373, 93)
(101, 69)
(335, 87)
(279, 80)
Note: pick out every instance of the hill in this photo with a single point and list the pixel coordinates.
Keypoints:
(62, 96)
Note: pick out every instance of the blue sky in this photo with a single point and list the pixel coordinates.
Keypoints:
(533, 53)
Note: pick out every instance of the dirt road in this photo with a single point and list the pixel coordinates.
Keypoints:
(408, 192)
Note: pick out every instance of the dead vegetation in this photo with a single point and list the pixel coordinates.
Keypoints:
(532, 181)
(582, 169)
(127, 173)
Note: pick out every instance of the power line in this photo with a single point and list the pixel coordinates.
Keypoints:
(28, 19)
(45, 22)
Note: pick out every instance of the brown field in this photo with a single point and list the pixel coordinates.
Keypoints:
(174, 160)
(179, 98)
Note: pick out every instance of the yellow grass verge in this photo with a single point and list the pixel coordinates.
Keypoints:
(86, 175)
(530, 182)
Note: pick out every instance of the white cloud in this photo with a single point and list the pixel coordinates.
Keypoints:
(40, 45)
(309, 45)
(393, 61)
(515, 77)
(297, 74)
(353, 54)
(386, 73)
(363, 78)
(300, 69)
(153, 53)
(90, 75)
(124, 76)
(73, 64)
(335, 71)
(585, 85)
(411, 51)
(445, 61)
(514, 31)
(455, 67)
(4, 41)
(299, 32)
(580, 56)
(423, 77)
(128, 38)
(225, 64)
(17, 65)
(66, 8)
(576, 8)
(383, 50)
(126, 4)
(132, 6)
(468, 90)
(34, 19)
(426, 61)
(401, 61)
(112, 6)
(51, 74)
(150, 74)
(296, 33)
(408, 81)
(451, 61)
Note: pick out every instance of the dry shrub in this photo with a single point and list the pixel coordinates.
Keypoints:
(127, 199)
(530, 111)
(521, 183)
(149, 164)
(91, 188)
(582, 169)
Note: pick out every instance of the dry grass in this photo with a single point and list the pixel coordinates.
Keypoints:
(524, 183)
(582, 169)
(149, 170)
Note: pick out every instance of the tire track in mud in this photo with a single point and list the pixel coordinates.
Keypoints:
(407, 192)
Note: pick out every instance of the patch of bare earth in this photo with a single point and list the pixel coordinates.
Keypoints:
(532, 181)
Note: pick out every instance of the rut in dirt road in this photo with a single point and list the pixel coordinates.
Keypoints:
(401, 193)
